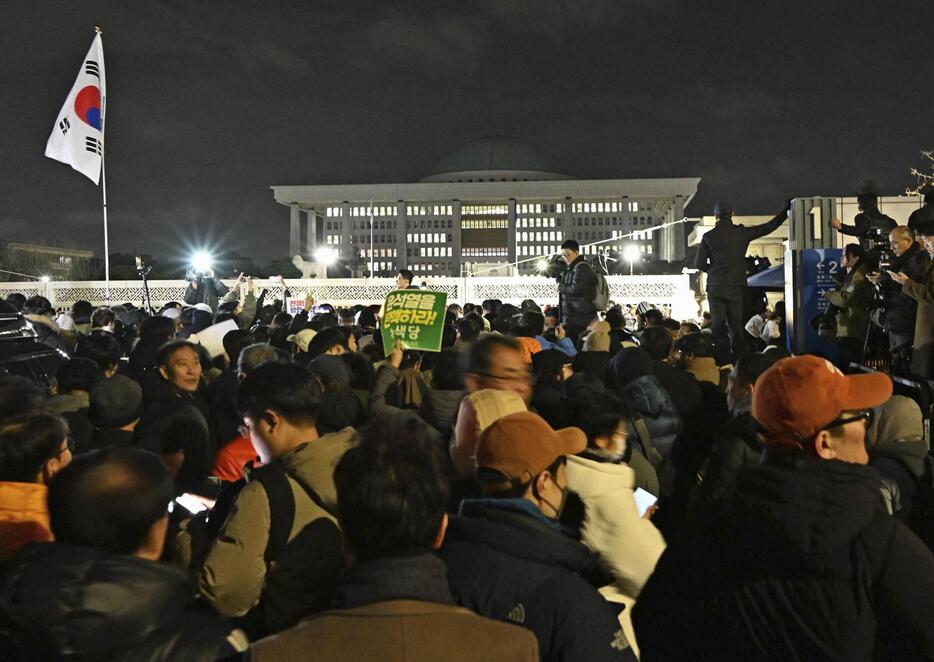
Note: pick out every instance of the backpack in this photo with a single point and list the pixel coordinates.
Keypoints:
(601, 297)
(301, 574)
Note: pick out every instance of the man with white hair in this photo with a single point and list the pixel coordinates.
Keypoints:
(922, 358)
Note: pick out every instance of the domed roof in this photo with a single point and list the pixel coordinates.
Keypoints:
(497, 157)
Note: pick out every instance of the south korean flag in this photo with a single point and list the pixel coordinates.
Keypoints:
(78, 136)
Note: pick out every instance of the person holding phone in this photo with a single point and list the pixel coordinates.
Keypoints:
(901, 310)
(922, 291)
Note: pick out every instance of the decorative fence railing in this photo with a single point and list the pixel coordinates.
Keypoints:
(673, 291)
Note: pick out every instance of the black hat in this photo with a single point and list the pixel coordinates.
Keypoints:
(115, 402)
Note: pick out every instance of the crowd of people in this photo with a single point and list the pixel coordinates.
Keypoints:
(554, 484)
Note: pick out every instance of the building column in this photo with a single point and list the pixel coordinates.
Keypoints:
(345, 221)
(671, 239)
(346, 248)
(565, 216)
(456, 260)
(401, 260)
(295, 231)
(311, 230)
(511, 241)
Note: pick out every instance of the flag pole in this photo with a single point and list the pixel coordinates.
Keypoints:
(104, 192)
(106, 240)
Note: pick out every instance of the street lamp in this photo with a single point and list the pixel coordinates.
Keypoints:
(326, 256)
(201, 261)
(631, 254)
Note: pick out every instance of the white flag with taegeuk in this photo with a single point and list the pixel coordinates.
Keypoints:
(78, 135)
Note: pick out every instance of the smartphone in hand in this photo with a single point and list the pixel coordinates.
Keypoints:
(644, 500)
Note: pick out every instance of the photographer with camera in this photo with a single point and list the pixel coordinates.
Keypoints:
(871, 226)
(900, 309)
(850, 305)
(577, 289)
(204, 287)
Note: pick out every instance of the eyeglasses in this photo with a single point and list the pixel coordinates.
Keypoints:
(69, 445)
(865, 415)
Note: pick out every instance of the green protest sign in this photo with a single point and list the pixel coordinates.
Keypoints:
(415, 318)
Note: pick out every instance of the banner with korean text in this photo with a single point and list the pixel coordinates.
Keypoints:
(415, 318)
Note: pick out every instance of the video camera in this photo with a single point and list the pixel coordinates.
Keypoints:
(878, 238)
(554, 267)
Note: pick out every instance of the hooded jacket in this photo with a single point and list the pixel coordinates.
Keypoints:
(513, 566)
(802, 564)
(61, 601)
(897, 450)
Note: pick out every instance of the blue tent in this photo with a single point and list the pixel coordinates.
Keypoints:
(772, 278)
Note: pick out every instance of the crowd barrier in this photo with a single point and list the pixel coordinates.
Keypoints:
(672, 291)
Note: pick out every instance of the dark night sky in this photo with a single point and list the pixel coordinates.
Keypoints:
(210, 103)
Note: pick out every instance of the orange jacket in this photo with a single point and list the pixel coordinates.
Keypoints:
(529, 347)
(24, 516)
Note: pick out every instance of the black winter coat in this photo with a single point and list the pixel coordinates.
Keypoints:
(208, 290)
(576, 293)
(60, 601)
(901, 309)
(722, 254)
(802, 564)
(646, 396)
(507, 565)
(736, 449)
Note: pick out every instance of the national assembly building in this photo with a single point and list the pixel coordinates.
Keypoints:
(494, 207)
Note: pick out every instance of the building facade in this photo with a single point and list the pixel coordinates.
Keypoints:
(493, 208)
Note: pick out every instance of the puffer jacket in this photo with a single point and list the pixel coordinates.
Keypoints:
(629, 545)
(508, 563)
(61, 601)
(234, 571)
(646, 396)
(802, 564)
(576, 292)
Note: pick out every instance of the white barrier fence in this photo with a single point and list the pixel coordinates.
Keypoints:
(672, 291)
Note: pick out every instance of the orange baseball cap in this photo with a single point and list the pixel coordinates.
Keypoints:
(799, 396)
(518, 447)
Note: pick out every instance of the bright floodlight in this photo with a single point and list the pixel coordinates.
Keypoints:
(45, 279)
(326, 256)
(201, 261)
(631, 253)
(542, 265)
